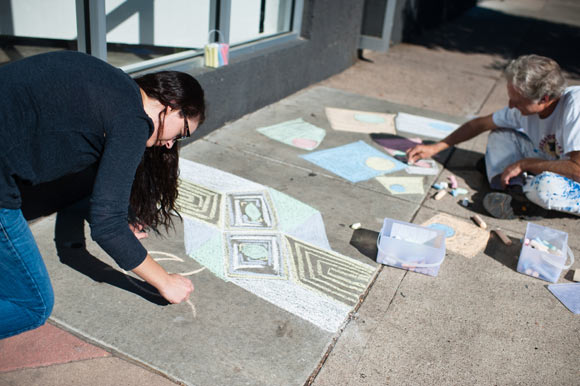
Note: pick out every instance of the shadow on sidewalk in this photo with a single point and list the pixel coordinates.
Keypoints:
(486, 31)
(69, 198)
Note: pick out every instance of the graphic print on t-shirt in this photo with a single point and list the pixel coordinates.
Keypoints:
(550, 146)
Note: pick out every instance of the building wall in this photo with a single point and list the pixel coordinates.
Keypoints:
(330, 34)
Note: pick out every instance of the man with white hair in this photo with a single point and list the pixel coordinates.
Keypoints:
(534, 145)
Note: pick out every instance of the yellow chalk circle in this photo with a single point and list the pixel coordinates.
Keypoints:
(378, 163)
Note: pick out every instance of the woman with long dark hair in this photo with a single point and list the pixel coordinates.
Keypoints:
(63, 112)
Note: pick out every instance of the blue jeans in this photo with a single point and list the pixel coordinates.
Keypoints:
(26, 296)
(548, 190)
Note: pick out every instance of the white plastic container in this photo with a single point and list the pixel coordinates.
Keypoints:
(411, 247)
(544, 253)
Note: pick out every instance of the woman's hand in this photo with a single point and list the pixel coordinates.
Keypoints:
(173, 287)
(177, 289)
(138, 231)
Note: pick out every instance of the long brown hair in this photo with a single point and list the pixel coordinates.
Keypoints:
(155, 186)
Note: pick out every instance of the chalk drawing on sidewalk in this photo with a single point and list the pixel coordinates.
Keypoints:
(423, 126)
(402, 185)
(356, 121)
(467, 240)
(297, 133)
(355, 162)
(273, 246)
(397, 145)
(199, 202)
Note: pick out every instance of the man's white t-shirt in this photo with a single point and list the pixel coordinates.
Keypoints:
(555, 136)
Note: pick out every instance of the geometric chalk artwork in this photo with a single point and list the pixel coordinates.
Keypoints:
(355, 162)
(398, 145)
(423, 126)
(297, 133)
(402, 185)
(360, 121)
(269, 244)
(462, 237)
(203, 203)
(424, 167)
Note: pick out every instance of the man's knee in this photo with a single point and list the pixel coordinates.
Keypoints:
(544, 188)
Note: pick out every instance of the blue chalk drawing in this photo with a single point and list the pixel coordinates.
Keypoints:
(449, 232)
(349, 161)
(568, 294)
(369, 118)
(397, 188)
(441, 126)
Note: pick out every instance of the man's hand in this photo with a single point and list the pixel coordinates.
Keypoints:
(510, 172)
(177, 289)
(418, 152)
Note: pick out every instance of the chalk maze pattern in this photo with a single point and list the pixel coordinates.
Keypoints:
(198, 202)
(328, 273)
(267, 247)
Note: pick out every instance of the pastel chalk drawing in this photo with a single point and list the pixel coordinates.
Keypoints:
(396, 188)
(379, 163)
(356, 121)
(269, 244)
(398, 145)
(297, 133)
(568, 294)
(355, 162)
(402, 185)
(449, 231)
(369, 118)
(423, 126)
(468, 239)
(423, 167)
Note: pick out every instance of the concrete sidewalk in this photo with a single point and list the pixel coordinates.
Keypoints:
(477, 322)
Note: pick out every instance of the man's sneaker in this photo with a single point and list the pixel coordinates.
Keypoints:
(499, 205)
(506, 206)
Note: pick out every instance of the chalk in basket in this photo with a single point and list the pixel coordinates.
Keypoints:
(216, 54)
(411, 247)
(544, 253)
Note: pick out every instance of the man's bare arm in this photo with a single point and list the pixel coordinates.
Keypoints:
(463, 133)
(568, 168)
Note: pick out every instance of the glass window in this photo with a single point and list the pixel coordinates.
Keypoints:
(257, 19)
(139, 30)
(35, 26)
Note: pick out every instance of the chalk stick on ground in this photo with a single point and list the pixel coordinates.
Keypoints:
(453, 181)
(479, 221)
(502, 236)
(440, 194)
(576, 276)
(356, 225)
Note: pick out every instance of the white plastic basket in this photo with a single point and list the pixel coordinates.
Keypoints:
(411, 247)
(544, 263)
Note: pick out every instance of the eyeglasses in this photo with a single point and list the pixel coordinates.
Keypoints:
(186, 132)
